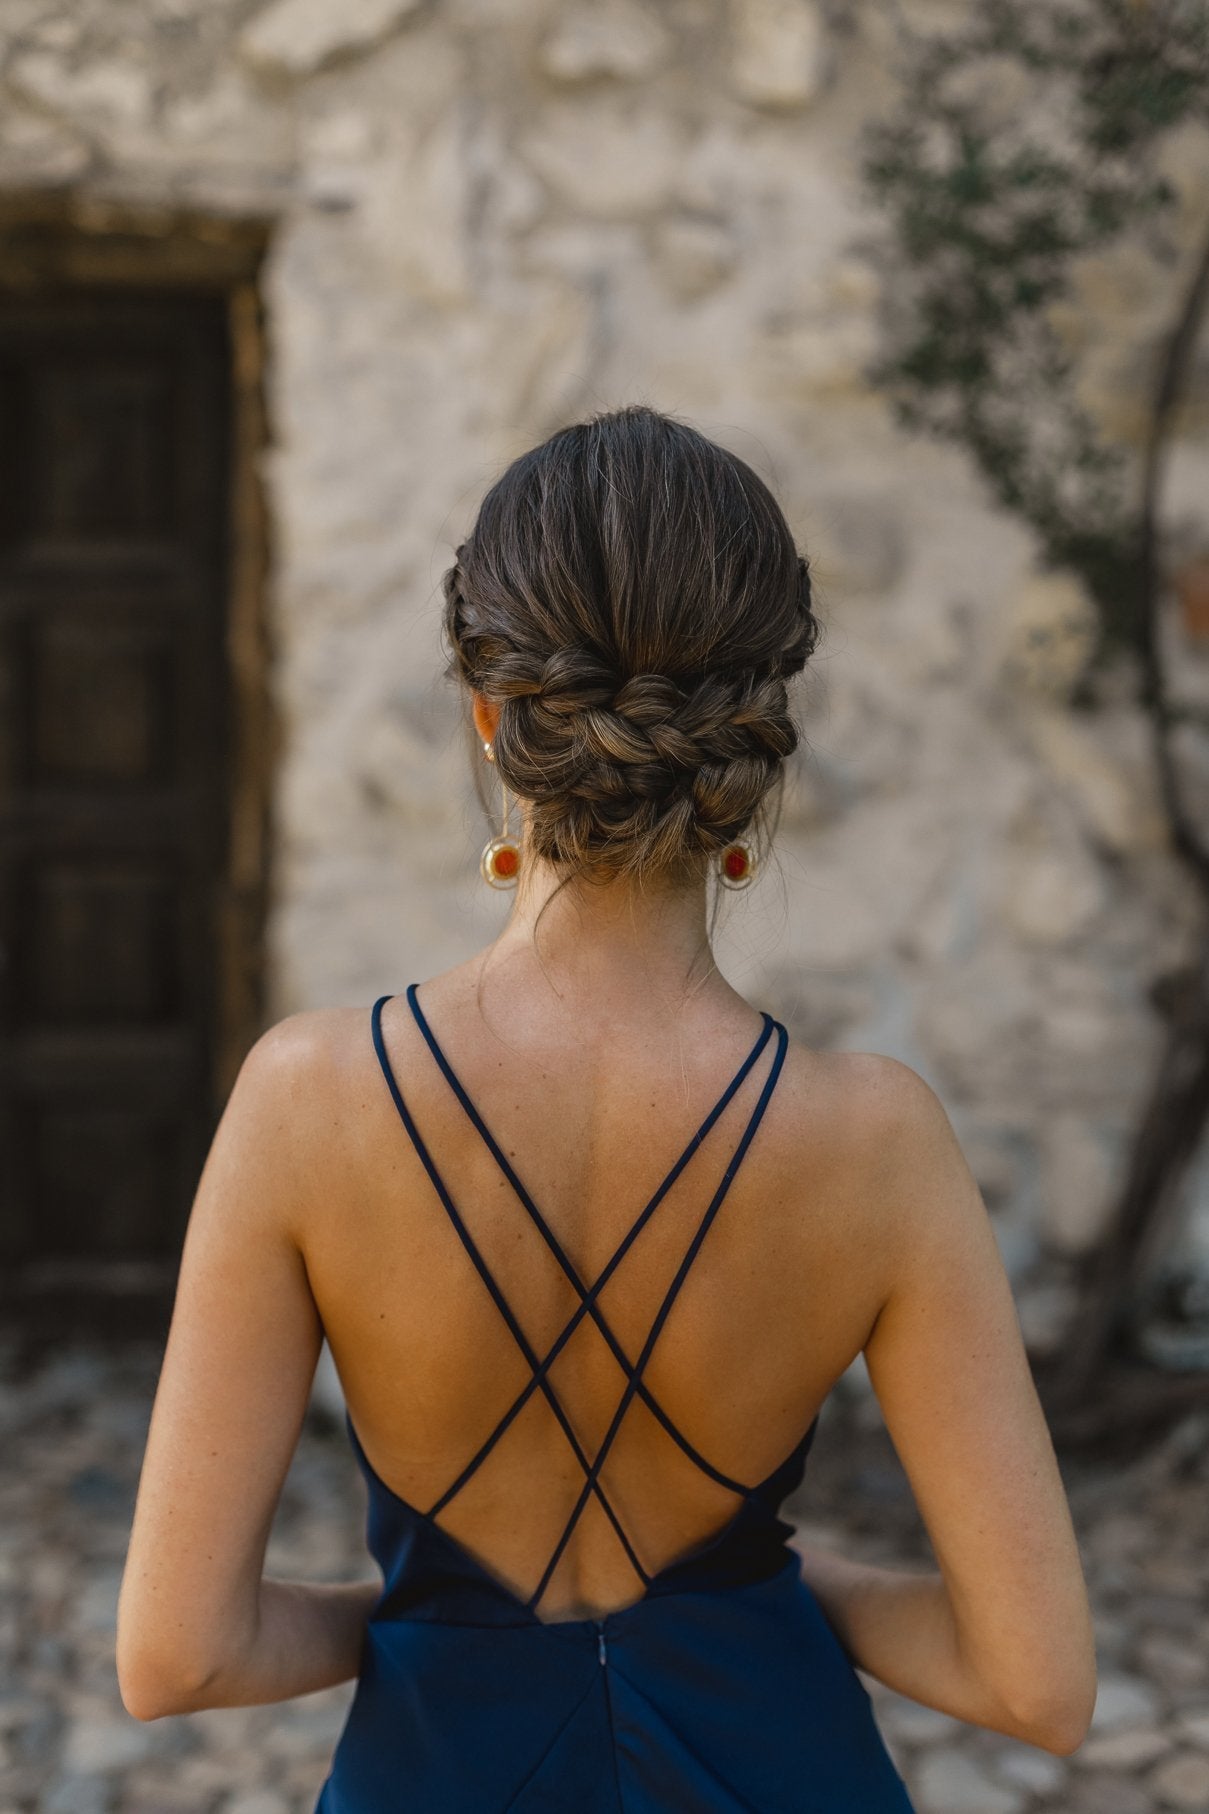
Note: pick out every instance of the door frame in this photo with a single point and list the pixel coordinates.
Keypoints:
(50, 243)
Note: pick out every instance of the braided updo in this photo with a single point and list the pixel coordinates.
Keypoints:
(631, 597)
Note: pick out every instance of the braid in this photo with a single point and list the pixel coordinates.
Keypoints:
(642, 735)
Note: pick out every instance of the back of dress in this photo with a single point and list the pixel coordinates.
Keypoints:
(718, 1686)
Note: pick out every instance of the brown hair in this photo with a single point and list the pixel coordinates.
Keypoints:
(632, 598)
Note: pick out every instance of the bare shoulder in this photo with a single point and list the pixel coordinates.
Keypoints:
(912, 1163)
(306, 1046)
(884, 1092)
(302, 1085)
(876, 1141)
(878, 1109)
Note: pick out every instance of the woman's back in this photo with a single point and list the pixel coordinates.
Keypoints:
(778, 1297)
(584, 1285)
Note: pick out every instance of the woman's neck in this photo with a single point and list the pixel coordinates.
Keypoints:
(633, 950)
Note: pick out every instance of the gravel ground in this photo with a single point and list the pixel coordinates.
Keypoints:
(73, 1426)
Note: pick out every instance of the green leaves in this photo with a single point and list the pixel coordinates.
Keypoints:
(990, 203)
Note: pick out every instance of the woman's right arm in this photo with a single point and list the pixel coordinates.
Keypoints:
(1001, 1635)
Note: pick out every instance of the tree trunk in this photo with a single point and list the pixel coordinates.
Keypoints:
(1175, 1117)
(1171, 1129)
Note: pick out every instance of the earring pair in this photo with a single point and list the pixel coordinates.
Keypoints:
(500, 863)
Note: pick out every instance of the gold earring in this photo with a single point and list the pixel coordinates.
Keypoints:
(500, 862)
(736, 865)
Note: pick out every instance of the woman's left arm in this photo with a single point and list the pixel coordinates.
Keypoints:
(198, 1625)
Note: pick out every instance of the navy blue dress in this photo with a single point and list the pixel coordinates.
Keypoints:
(722, 1689)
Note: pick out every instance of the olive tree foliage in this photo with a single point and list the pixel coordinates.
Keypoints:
(1028, 137)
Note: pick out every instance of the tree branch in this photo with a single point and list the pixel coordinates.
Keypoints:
(1173, 371)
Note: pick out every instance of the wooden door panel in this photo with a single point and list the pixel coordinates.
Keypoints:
(101, 455)
(100, 686)
(104, 1175)
(102, 940)
(114, 779)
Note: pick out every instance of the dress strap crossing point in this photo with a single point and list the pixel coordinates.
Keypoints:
(589, 1295)
(635, 1385)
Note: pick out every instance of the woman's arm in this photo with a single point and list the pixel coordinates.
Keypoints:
(307, 1635)
(198, 1625)
(1000, 1634)
(898, 1625)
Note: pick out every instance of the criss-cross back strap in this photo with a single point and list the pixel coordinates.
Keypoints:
(588, 1294)
(485, 1273)
(591, 1480)
(635, 1385)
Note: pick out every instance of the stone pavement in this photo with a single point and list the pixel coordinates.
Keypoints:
(72, 1428)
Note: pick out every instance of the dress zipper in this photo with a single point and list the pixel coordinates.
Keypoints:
(600, 1640)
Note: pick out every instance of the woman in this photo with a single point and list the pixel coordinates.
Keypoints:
(591, 1241)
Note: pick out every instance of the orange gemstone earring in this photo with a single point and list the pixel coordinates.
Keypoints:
(736, 865)
(500, 862)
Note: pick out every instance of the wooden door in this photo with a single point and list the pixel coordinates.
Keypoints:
(114, 783)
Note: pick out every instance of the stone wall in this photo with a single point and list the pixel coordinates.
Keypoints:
(487, 219)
